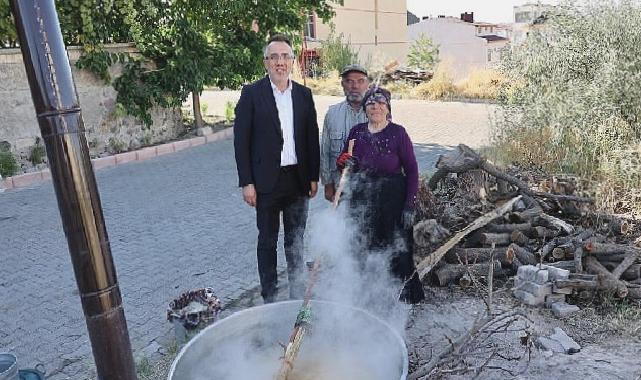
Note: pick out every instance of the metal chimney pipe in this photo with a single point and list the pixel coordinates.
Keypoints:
(58, 111)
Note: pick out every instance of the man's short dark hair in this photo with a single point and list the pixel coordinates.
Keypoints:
(279, 38)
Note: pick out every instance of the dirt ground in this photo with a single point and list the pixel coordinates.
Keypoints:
(610, 339)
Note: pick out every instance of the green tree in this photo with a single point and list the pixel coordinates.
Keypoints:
(423, 53)
(335, 53)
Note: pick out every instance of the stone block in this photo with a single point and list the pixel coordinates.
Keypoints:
(146, 153)
(6, 183)
(27, 179)
(562, 309)
(103, 162)
(533, 274)
(528, 298)
(558, 290)
(213, 137)
(46, 175)
(180, 145)
(164, 149)
(555, 273)
(196, 141)
(553, 298)
(537, 290)
(559, 342)
(123, 158)
(204, 131)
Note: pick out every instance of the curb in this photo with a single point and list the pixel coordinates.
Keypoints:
(28, 179)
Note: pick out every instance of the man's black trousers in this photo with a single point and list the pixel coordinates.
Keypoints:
(289, 199)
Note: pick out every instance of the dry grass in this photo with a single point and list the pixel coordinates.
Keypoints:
(480, 84)
(440, 87)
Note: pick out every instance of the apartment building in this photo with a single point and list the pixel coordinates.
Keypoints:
(376, 29)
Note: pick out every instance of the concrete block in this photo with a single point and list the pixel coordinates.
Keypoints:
(103, 162)
(204, 131)
(214, 137)
(559, 342)
(562, 309)
(180, 145)
(533, 274)
(164, 149)
(6, 183)
(146, 153)
(553, 298)
(46, 175)
(528, 298)
(196, 141)
(123, 158)
(537, 290)
(27, 179)
(557, 290)
(555, 273)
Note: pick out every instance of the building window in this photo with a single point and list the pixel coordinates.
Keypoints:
(310, 26)
(522, 17)
(489, 55)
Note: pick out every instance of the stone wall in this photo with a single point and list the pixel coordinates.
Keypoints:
(106, 130)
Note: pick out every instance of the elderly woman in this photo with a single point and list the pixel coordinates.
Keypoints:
(383, 188)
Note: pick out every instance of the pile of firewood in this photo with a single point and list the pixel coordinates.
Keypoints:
(408, 75)
(548, 223)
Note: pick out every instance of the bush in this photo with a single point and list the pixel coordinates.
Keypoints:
(336, 54)
(423, 53)
(8, 164)
(576, 83)
(229, 111)
(441, 86)
(480, 84)
(37, 153)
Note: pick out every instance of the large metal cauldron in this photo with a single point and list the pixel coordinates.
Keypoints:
(345, 343)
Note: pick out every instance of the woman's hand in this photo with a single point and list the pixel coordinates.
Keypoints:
(345, 160)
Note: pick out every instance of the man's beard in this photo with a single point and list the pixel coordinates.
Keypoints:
(354, 97)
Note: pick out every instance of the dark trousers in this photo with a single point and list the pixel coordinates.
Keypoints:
(289, 199)
(377, 202)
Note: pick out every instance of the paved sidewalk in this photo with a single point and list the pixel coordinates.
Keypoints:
(175, 223)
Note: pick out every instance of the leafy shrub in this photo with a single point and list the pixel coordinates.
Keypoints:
(229, 111)
(441, 86)
(336, 54)
(37, 153)
(576, 83)
(8, 164)
(423, 53)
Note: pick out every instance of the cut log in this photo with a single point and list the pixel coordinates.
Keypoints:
(577, 284)
(626, 263)
(500, 228)
(564, 251)
(547, 249)
(491, 239)
(464, 159)
(578, 259)
(566, 264)
(597, 248)
(476, 255)
(519, 238)
(558, 223)
(450, 273)
(608, 280)
(524, 256)
(541, 232)
(426, 265)
(634, 293)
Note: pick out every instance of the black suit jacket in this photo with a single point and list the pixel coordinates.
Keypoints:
(258, 137)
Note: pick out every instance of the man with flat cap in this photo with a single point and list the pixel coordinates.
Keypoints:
(339, 119)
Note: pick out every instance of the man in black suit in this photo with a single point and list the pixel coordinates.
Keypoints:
(278, 159)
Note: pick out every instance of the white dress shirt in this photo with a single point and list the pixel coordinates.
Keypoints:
(286, 117)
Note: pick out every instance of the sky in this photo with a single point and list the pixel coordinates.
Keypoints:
(496, 11)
